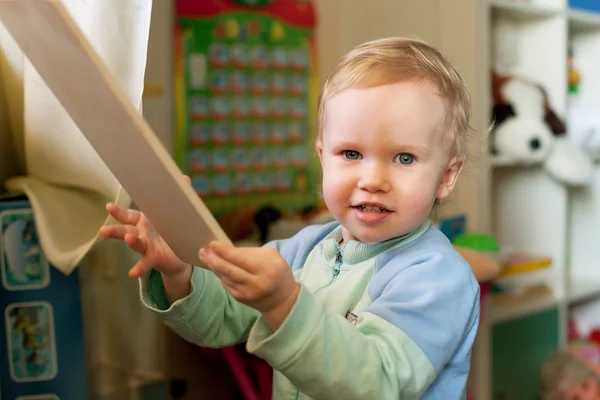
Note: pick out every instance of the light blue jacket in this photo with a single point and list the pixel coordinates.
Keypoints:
(395, 320)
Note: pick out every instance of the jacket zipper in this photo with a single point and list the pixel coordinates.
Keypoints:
(339, 258)
(336, 267)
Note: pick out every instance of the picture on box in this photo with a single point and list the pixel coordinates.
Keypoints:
(24, 266)
(31, 341)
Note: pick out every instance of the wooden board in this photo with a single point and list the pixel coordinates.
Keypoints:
(53, 43)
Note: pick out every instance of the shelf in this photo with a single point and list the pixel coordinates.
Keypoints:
(523, 11)
(495, 314)
(583, 21)
(583, 288)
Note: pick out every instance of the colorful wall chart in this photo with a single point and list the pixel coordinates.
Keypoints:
(247, 90)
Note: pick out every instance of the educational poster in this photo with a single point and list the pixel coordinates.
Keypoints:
(31, 344)
(23, 264)
(246, 93)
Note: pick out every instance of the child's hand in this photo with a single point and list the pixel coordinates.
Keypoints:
(257, 277)
(135, 230)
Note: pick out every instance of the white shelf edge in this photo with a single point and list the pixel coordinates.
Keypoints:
(523, 9)
(582, 288)
(495, 314)
(582, 21)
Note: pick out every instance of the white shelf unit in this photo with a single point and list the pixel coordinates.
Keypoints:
(583, 270)
(530, 210)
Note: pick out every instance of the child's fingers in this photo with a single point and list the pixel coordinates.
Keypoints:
(234, 290)
(118, 231)
(187, 179)
(237, 256)
(223, 268)
(124, 216)
(140, 268)
(136, 243)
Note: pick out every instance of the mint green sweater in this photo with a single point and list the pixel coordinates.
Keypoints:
(394, 320)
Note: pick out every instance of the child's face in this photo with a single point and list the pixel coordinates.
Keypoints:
(385, 147)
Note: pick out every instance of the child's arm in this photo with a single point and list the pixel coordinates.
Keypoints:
(203, 312)
(199, 308)
(422, 320)
(190, 299)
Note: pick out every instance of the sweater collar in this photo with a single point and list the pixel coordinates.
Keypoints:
(354, 252)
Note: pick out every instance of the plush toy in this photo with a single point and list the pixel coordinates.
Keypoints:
(571, 373)
(524, 124)
(527, 131)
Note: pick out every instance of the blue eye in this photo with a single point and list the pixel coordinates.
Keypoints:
(405, 158)
(351, 154)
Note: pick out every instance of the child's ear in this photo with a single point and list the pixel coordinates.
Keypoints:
(319, 146)
(450, 177)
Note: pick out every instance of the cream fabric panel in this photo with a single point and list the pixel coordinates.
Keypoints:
(12, 161)
(66, 181)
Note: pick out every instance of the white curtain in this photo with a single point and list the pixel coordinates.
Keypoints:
(45, 156)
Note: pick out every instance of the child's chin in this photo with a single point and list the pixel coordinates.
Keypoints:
(374, 235)
(366, 237)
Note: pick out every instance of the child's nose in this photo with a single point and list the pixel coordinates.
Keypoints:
(374, 178)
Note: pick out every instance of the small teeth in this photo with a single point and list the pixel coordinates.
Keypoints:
(372, 209)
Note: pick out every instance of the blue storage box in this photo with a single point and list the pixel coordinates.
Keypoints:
(585, 5)
(43, 354)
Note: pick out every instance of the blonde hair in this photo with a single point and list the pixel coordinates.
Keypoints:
(396, 59)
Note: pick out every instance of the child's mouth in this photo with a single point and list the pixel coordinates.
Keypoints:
(371, 213)
(371, 208)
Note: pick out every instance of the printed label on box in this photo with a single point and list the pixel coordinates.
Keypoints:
(23, 263)
(31, 341)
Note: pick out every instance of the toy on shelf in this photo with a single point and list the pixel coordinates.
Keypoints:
(514, 263)
(528, 131)
(480, 251)
(490, 263)
(495, 263)
(574, 77)
(513, 293)
(523, 125)
(583, 120)
(572, 373)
